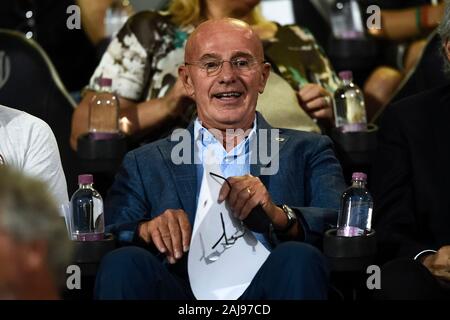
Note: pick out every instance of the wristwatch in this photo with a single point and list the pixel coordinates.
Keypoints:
(291, 217)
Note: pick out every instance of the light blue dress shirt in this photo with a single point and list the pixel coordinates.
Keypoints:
(233, 163)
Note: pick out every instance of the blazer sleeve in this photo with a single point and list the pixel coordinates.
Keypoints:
(126, 204)
(325, 184)
(394, 212)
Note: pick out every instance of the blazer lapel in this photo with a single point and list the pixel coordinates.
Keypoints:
(184, 175)
(265, 161)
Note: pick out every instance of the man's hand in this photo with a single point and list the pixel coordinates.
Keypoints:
(176, 100)
(245, 194)
(316, 101)
(170, 232)
(439, 263)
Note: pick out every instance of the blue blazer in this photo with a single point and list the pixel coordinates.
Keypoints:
(309, 180)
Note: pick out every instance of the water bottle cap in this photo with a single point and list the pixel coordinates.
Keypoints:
(359, 176)
(85, 179)
(105, 82)
(346, 75)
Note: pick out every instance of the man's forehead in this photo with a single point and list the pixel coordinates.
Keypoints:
(210, 38)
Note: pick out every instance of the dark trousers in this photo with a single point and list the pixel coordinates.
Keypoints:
(293, 270)
(407, 279)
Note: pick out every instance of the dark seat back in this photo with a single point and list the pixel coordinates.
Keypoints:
(29, 82)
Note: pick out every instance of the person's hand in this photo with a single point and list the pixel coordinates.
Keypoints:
(245, 194)
(176, 100)
(316, 101)
(439, 263)
(170, 232)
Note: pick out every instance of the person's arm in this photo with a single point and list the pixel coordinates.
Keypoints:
(438, 263)
(130, 81)
(394, 211)
(41, 158)
(408, 23)
(126, 204)
(325, 185)
(134, 117)
(92, 17)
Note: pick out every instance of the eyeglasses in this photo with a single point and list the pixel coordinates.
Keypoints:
(213, 67)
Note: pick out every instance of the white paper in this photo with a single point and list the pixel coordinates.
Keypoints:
(224, 255)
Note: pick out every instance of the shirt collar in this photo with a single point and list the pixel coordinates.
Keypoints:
(201, 134)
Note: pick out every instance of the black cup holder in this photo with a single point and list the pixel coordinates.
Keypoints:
(349, 253)
(88, 254)
(355, 149)
(101, 155)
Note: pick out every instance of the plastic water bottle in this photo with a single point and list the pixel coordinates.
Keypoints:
(346, 20)
(116, 16)
(349, 106)
(87, 220)
(104, 112)
(355, 216)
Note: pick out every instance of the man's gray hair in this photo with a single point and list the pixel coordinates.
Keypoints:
(444, 32)
(28, 213)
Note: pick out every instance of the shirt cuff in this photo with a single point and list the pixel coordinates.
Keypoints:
(424, 251)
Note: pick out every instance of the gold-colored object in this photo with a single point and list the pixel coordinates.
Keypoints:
(279, 106)
(327, 100)
(249, 190)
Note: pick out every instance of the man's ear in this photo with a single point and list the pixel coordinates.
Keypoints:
(447, 49)
(185, 77)
(265, 72)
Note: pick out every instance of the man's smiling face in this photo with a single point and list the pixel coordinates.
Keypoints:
(227, 97)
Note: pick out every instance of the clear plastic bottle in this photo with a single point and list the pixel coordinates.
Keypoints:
(87, 211)
(346, 20)
(116, 15)
(355, 216)
(349, 106)
(104, 112)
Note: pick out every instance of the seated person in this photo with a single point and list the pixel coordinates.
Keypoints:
(153, 199)
(35, 249)
(412, 206)
(143, 60)
(402, 37)
(28, 144)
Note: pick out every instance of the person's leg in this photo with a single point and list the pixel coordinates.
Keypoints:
(407, 279)
(134, 273)
(293, 270)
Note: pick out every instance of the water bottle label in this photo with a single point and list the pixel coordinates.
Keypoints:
(349, 231)
(354, 127)
(88, 236)
(98, 210)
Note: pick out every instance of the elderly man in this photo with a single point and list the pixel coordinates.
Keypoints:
(410, 186)
(153, 199)
(34, 246)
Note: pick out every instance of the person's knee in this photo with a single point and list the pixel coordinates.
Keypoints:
(125, 261)
(302, 271)
(297, 254)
